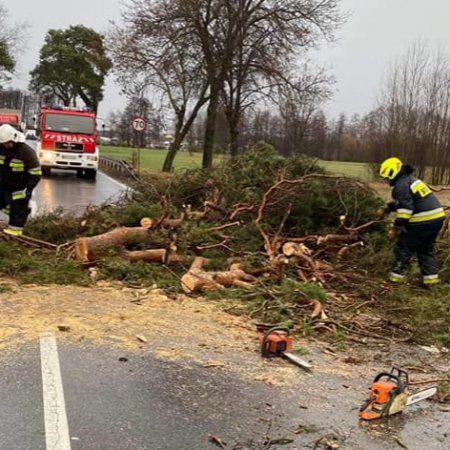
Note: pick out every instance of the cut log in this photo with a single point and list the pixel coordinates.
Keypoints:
(197, 279)
(154, 256)
(149, 223)
(294, 249)
(337, 239)
(345, 251)
(92, 248)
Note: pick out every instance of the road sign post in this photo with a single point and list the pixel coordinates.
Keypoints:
(139, 125)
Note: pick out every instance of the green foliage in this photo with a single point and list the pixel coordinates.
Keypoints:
(7, 62)
(292, 291)
(140, 273)
(56, 227)
(73, 63)
(316, 203)
(39, 267)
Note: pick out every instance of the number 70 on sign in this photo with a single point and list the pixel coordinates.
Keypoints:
(139, 124)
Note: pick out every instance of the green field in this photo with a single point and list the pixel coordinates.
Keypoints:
(348, 169)
(152, 159)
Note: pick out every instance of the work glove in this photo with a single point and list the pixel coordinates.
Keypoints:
(396, 232)
(386, 210)
(381, 213)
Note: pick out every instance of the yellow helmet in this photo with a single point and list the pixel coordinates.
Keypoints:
(390, 168)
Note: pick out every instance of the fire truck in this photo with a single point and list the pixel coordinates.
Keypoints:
(10, 117)
(68, 141)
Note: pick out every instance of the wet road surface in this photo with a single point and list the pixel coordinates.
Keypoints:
(64, 190)
(126, 401)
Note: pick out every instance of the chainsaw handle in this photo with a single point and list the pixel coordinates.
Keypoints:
(398, 375)
(388, 375)
(401, 374)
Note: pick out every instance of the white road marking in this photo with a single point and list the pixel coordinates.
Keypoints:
(56, 426)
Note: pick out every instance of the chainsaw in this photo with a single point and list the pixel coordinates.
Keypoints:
(389, 395)
(277, 341)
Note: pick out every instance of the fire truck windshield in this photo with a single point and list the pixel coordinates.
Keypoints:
(67, 123)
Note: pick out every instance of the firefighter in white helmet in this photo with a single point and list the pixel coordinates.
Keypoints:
(20, 172)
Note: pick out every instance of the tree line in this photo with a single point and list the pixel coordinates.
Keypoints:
(225, 74)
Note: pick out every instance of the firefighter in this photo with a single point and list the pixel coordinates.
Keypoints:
(419, 219)
(20, 172)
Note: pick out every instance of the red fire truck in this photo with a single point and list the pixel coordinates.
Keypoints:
(10, 117)
(67, 140)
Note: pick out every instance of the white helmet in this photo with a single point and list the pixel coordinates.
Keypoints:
(9, 134)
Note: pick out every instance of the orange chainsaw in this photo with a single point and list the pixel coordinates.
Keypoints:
(389, 395)
(277, 341)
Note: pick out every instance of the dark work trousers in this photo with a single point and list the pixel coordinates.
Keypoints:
(418, 239)
(18, 210)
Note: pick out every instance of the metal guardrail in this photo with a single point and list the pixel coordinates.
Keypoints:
(119, 166)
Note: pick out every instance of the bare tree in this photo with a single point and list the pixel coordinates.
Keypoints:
(271, 35)
(147, 49)
(12, 38)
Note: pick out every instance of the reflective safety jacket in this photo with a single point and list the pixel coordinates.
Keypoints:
(414, 202)
(20, 170)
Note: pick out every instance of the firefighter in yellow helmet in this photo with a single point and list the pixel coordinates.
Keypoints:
(419, 219)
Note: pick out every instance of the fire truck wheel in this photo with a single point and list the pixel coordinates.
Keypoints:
(46, 171)
(91, 174)
(80, 173)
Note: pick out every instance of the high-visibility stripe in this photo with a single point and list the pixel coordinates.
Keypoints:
(396, 277)
(36, 171)
(428, 215)
(415, 184)
(431, 281)
(19, 195)
(431, 277)
(403, 213)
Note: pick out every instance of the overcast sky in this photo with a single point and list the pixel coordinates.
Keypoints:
(376, 32)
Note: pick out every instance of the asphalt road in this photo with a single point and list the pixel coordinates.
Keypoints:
(134, 401)
(64, 190)
(139, 403)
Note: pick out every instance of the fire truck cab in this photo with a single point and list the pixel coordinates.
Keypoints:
(68, 141)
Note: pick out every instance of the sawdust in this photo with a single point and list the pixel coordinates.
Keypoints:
(193, 330)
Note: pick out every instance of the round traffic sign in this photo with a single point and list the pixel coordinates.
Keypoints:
(138, 124)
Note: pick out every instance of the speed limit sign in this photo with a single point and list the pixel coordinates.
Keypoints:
(138, 124)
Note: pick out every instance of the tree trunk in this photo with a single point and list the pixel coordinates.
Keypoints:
(92, 248)
(182, 130)
(210, 132)
(153, 256)
(234, 136)
(173, 150)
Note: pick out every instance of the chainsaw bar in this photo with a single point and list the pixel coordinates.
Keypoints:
(298, 361)
(422, 395)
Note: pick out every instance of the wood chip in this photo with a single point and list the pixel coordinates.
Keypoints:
(141, 339)
(217, 441)
(213, 364)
